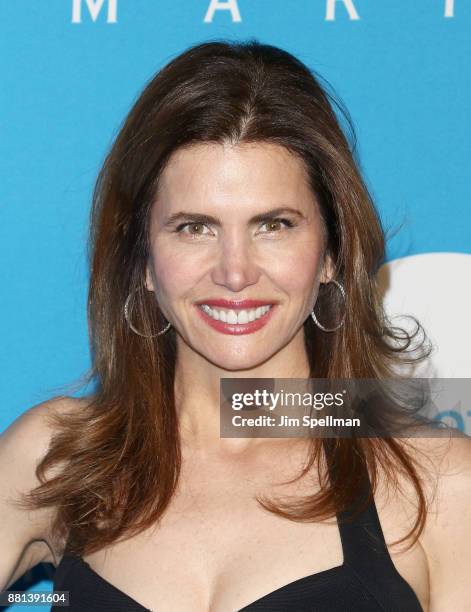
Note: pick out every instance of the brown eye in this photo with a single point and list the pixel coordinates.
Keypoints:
(274, 224)
(193, 229)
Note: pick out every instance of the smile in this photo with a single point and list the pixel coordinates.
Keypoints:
(236, 320)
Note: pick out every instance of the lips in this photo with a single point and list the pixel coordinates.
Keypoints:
(260, 317)
(236, 304)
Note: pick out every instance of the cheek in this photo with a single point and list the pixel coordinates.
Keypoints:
(299, 269)
(173, 274)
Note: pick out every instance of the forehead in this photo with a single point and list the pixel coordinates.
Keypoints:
(248, 173)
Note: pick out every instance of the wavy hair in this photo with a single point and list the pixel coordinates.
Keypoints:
(119, 453)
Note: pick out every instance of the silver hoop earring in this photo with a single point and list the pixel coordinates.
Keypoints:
(331, 329)
(136, 331)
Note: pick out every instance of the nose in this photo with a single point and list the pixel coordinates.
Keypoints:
(235, 267)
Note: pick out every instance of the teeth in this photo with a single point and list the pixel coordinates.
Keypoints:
(235, 317)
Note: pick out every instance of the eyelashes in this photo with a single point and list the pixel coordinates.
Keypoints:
(179, 229)
(284, 220)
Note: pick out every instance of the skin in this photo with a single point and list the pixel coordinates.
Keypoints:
(234, 259)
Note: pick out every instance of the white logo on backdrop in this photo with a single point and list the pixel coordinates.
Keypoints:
(441, 300)
(348, 4)
(94, 8)
(449, 8)
(222, 5)
(433, 288)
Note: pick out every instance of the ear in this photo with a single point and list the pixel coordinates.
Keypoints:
(149, 282)
(328, 270)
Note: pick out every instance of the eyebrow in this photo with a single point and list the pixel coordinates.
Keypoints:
(202, 218)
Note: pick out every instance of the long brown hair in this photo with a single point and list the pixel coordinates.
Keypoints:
(120, 453)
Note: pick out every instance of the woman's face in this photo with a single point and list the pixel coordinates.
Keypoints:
(237, 251)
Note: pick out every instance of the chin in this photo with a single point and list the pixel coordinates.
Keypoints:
(235, 362)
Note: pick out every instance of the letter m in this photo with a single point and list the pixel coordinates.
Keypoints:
(94, 8)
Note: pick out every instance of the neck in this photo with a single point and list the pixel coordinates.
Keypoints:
(197, 393)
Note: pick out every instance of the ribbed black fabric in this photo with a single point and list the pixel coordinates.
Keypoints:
(367, 580)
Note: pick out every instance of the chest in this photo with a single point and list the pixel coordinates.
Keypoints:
(216, 548)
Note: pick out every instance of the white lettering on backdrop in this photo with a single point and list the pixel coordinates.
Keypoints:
(222, 5)
(449, 8)
(348, 4)
(94, 8)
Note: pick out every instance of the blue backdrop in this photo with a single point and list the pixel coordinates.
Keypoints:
(71, 69)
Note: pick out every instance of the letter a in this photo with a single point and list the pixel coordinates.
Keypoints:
(348, 4)
(222, 5)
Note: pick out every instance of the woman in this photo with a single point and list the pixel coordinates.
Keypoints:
(232, 236)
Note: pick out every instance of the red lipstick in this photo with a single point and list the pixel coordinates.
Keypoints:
(236, 329)
(234, 304)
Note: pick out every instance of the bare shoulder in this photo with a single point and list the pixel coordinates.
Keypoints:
(446, 460)
(30, 434)
(26, 532)
(39, 415)
(444, 465)
(447, 533)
